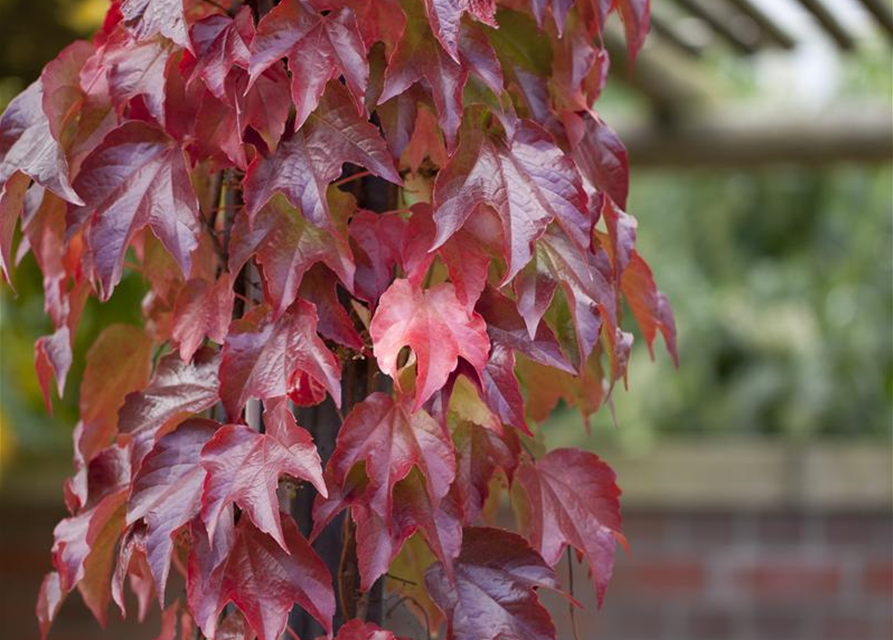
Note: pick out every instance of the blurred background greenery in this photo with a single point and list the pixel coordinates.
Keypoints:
(780, 276)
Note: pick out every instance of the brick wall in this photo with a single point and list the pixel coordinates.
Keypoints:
(747, 575)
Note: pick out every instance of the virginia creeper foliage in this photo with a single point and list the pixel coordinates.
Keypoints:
(218, 153)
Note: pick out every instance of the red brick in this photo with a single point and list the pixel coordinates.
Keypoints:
(777, 624)
(709, 624)
(838, 626)
(790, 580)
(667, 577)
(878, 578)
(781, 528)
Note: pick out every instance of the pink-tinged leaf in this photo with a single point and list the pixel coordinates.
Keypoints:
(167, 492)
(535, 291)
(137, 177)
(244, 468)
(559, 10)
(26, 145)
(220, 43)
(286, 247)
(479, 453)
(118, 363)
(235, 627)
(391, 441)
(650, 307)
(574, 500)
(319, 288)
(500, 388)
(360, 630)
(138, 69)
(12, 204)
(527, 179)
(205, 570)
(146, 18)
(506, 327)
(417, 57)
(319, 48)
(263, 358)
(582, 275)
(438, 329)
(380, 240)
(304, 165)
(49, 600)
(600, 154)
(445, 17)
(169, 622)
(202, 309)
(177, 390)
(494, 592)
(621, 236)
(76, 100)
(132, 563)
(108, 472)
(52, 359)
(83, 551)
(636, 16)
(261, 579)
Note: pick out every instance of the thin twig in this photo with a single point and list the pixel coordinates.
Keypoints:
(403, 580)
(351, 178)
(292, 633)
(420, 608)
(570, 585)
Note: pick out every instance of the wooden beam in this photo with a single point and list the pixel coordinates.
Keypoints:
(882, 14)
(720, 25)
(729, 139)
(830, 24)
(667, 32)
(767, 25)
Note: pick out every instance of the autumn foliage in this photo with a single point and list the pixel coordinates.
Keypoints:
(236, 158)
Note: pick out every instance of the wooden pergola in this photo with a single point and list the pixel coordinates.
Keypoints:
(692, 126)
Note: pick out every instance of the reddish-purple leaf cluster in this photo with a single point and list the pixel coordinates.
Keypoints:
(210, 153)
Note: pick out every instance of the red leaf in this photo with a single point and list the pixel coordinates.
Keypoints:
(391, 441)
(12, 204)
(304, 165)
(176, 391)
(360, 630)
(132, 562)
(167, 492)
(574, 500)
(582, 275)
(422, 319)
(202, 309)
(494, 593)
(446, 16)
(500, 388)
(479, 453)
(417, 57)
(146, 18)
(220, 43)
(49, 600)
(83, 551)
(153, 189)
(52, 357)
(319, 288)
(650, 307)
(506, 327)
(636, 15)
(138, 69)
(118, 363)
(287, 245)
(263, 358)
(600, 154)
(244, 468)
(528, 181)
(319, 48)
(261, 579)
(27, 145)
